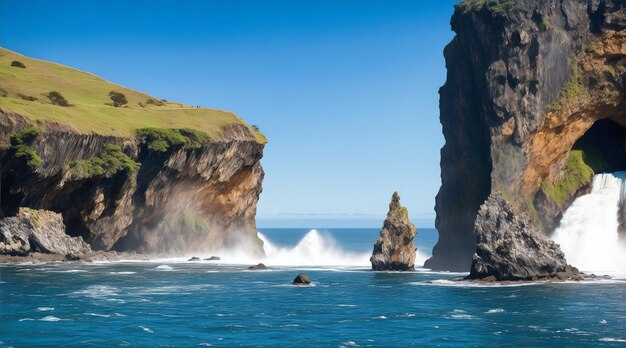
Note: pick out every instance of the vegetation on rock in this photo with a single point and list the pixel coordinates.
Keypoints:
(21, 146)
(494, 6)
(579, 170)
(108, 162)
(160, 139)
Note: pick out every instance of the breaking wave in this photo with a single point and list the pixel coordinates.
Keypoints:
(314, 249)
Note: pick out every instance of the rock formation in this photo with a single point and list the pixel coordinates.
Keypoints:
(302, 279)
(259, 266)
(38, 231)
(394, 249)
(533, 105)
(207, 194)
(509, 248)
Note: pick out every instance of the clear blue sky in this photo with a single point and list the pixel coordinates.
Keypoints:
(346, 91)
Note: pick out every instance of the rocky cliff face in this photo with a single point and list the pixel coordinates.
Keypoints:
(509, 248)
(394, 250)
(533, 106)
(121, 193)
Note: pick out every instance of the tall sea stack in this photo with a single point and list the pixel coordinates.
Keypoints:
(394, 250)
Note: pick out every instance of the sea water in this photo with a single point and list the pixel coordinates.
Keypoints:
(195, 304)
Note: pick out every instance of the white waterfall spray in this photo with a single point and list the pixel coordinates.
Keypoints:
(588, 233)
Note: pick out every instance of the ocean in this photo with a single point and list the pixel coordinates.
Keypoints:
(173, 302)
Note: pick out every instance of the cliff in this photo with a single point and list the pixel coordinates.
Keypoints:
(148, 176)
(533, 106)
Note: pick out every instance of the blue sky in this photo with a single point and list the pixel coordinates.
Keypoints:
(346, 91)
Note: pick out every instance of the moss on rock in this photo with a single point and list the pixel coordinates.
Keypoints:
(108, 162)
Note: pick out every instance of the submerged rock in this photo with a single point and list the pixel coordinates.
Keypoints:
(394, 249)
(258, 266)
(194, 258)
(302, 279)
(509, 248)
(39, 231)
(212, 258)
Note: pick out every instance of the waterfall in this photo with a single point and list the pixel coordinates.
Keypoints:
(588, 232)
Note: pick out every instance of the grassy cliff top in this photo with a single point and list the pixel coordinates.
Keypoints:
(24, 90)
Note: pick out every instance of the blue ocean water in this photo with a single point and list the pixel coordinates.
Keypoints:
(178, 303)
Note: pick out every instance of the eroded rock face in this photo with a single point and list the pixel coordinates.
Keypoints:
(394, 249)
(178, 201)
(38, 231)
(509, 248)
(526, 80)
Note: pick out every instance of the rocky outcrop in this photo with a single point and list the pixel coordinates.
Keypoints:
(534, 90)
(259, 266)
(509, 248)
(38, 231)
(394, 249)
(178, 200)
(302, 279)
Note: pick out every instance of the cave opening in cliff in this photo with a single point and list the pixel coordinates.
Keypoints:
(603, 147)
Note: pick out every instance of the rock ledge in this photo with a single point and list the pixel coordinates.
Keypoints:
(39, 231)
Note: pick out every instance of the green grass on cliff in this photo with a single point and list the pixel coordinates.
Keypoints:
(25, 91)
(495, 6)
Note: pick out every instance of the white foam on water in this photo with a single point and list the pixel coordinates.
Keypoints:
(51, 318)
(164, 268)
(381, 317)
(588, 230)
(495, 310)
(98, 315)
(146, 329)
(45, 309)
(122, 273)
(26, 319)
(97, 291)
(459, 314)
(611, 339)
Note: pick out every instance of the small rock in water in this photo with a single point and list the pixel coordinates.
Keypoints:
(259, 266)
(302, 279)
(195, 258)
(213, 258)
(72, 257)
